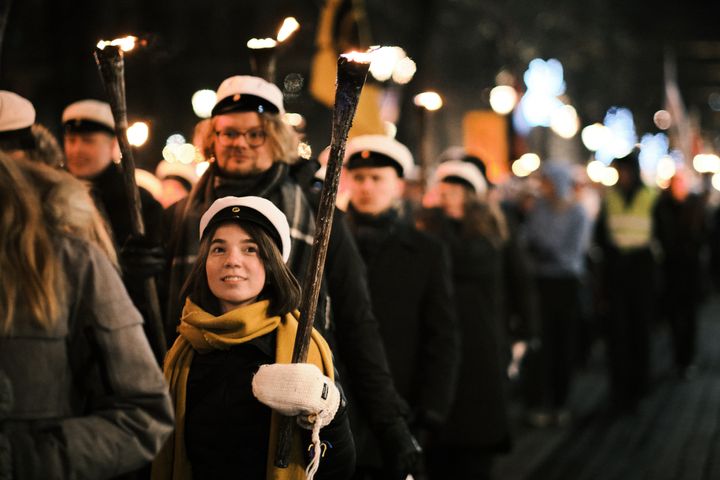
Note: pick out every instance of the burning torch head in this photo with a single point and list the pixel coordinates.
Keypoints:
(245, 93)
(378, 151)
(88, 116)
(17, 116)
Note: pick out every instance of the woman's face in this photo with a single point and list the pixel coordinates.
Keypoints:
(451, 198)
(235, 271)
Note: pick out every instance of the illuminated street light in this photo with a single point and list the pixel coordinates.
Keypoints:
(610, 177)
(706, 163)
(564, 121)
(662, 119)
(716, 181)
(595, 136)
(595, 170)
(666, 168)
(203, 102)
(503, 99)
(138, 133)
(430, 101)
(525, 165)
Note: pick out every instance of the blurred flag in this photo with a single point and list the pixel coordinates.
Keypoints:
(343, 27)
(686, 137)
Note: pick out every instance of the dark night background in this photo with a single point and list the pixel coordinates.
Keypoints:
(612, 52)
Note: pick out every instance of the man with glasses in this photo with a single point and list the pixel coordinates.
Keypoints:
(252, 149)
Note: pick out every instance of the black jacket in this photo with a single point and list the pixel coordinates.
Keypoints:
(110, 197)
(479, 417)
(227, 428)
(353, 331)
(411, 290)
(410, 286)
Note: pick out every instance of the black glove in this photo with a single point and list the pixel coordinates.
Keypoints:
(141, 258)
(401, 451)
(424, 426)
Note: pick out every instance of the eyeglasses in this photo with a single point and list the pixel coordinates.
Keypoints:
(254, 137)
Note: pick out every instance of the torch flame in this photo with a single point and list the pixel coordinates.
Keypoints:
(288, 27)
(126, 43)
(257, 43)
(359, 57)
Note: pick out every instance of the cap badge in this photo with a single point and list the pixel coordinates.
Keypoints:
(235, 209)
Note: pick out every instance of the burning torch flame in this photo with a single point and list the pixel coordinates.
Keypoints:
(257, 43)
(359, 57)
(126, 43)
(288, 27)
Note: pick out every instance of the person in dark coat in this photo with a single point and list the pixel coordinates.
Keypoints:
(252, 149)
(477, 428)
(411, 291)
(556, 233)
(682, 231)
(90, 146)
(625, 234)
(82, 395)
(229, 370)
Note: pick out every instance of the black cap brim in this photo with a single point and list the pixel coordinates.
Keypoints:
(244, 103)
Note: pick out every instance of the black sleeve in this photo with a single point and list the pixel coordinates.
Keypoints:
(152, 213)
(601, 235)
(520, 300)
(360, 347)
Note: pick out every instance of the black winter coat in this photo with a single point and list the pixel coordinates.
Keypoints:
(353, 334)
(227, 428)
(110, 197)
(479, 416)
(411, 290)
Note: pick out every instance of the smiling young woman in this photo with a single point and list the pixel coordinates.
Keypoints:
(229, 369)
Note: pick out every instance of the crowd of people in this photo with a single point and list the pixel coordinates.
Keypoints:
(423, 305)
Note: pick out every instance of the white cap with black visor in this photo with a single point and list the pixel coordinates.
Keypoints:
(245, 93)
(378, 151)
(257, 210)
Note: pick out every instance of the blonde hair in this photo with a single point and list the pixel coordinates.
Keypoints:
(37, 203)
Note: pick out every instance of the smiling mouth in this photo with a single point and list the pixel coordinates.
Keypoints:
(232, 278)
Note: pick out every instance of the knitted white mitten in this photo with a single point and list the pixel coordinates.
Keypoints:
(297, 389)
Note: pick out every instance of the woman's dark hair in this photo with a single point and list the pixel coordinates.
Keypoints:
(281, 287)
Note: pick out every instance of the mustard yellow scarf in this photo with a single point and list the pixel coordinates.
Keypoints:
(202, 332)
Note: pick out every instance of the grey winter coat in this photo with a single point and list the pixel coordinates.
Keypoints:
(85, 399)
